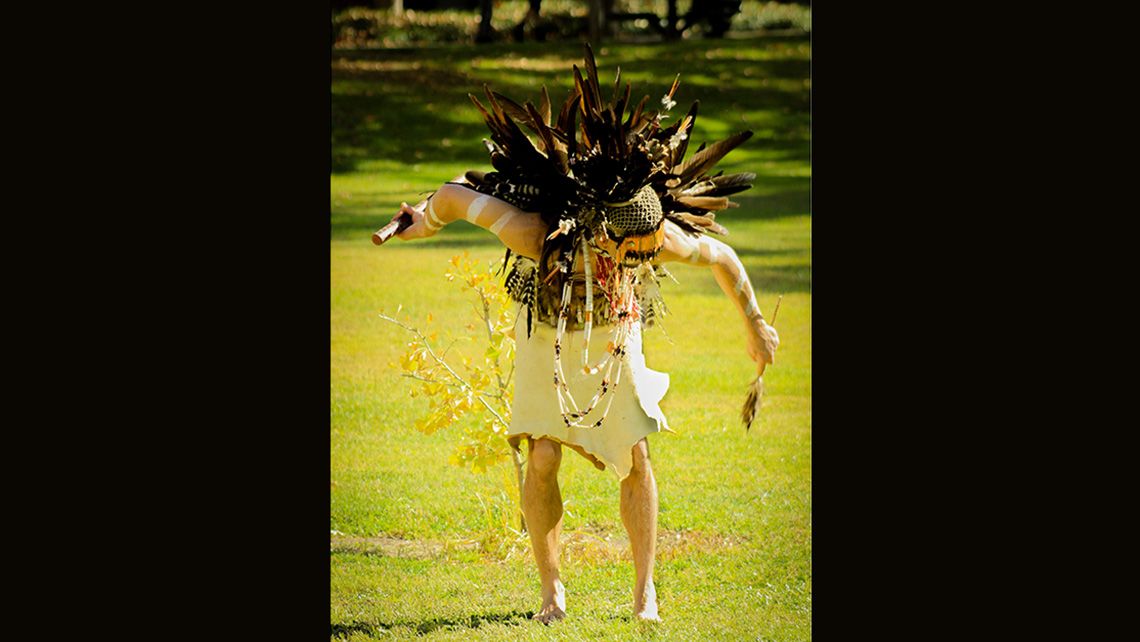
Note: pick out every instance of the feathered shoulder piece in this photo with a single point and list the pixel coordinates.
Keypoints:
(598, 153)
(603, 174)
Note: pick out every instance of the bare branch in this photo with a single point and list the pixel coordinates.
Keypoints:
(448, 348)
(510, 374)
(442, 383)
(434, 356)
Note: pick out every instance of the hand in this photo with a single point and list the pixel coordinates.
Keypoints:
(762, 343)
(418, 229)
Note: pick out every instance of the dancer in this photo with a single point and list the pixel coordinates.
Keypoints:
(591, 213)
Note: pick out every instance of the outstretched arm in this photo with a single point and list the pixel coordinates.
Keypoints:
(732, 279)
(520, 231)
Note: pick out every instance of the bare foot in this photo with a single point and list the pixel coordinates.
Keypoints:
(553, 605)
(645, 609)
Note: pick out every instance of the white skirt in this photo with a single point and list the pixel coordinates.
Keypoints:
(634, 414)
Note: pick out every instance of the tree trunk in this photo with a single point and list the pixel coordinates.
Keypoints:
(596, 19)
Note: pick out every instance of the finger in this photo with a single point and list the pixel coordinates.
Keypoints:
(400, 212)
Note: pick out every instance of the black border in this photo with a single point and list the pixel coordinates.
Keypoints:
(238, 317)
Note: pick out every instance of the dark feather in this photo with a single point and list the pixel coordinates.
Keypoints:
(704, 223)
(544, 107)
(592, 79)
(619, 109)
(540, 127)
(572, 126)
(721, 185)
(673, 89)
(690, 119)
(475, 177)
(731, 184)
(704, 159)
(515, 144)
(705, 202)
(580, 89)
(514, 109)
(635, 115)
(752, 403)
(482, 111)
(687, 227)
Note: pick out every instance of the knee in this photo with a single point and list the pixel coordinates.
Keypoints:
(545, 456)
(640, 452)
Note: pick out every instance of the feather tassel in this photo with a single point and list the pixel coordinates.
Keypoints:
(756, 388)
(752, 402)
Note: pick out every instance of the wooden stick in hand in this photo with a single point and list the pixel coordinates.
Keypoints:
(398, 224)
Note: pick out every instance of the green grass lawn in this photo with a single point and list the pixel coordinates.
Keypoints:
(419, 546)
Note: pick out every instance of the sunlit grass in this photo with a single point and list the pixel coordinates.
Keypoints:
(738, 505)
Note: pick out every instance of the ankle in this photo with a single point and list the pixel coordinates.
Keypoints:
(647, 595)
(553, 588)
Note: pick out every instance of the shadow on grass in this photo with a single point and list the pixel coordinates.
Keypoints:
(423, 627)
(401, 105)
(794, 201)
(781, 280)
(766, 279)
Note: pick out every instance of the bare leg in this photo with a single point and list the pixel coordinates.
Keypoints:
(639, 513)
(542, 506)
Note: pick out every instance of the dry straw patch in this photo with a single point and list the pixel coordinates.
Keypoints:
(582, 545)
